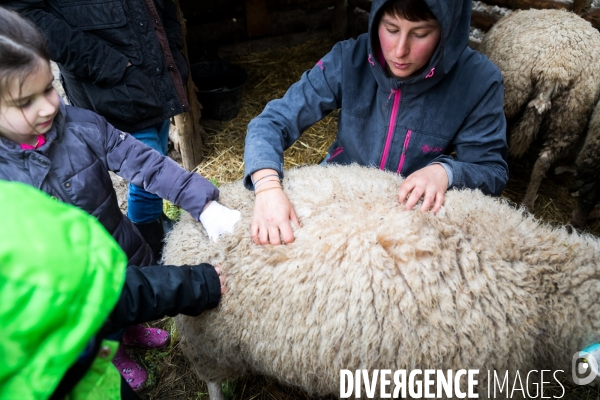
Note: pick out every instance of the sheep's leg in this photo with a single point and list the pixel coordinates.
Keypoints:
(529, 125)
(215, 392)
(542, 165)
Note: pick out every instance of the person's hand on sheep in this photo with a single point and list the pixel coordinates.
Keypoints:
(429, 183)
(272, 211)
(218, 219)
(221, 279)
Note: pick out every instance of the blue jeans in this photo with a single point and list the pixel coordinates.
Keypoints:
(142, 206)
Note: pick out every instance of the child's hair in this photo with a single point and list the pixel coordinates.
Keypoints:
(412, 10)
(22, 49)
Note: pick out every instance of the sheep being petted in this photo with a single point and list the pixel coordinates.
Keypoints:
(549, 60)
(366, 285)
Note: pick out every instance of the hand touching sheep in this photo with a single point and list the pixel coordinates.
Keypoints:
(273, 211)
(429, 183)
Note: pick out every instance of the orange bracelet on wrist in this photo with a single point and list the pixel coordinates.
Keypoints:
(264, 190)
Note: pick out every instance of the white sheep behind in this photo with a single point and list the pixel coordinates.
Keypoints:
(367, 285)
(549, 60)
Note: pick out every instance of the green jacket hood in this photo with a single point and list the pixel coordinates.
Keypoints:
(61, 275)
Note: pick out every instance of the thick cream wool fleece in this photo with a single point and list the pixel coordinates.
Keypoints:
(367, 285)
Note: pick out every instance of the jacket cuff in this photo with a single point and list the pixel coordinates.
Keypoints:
(448, 172)
(213, 285)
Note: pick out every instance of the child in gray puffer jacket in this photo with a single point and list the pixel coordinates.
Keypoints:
(67, 152)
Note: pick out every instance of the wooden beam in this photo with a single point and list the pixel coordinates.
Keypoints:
(191, 134)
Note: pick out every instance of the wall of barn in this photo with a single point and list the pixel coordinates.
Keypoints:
(219, 28)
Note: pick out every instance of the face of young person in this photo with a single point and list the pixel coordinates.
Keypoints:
(407, 46)
(27, 112)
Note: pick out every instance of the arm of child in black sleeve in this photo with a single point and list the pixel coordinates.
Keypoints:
(152, 292)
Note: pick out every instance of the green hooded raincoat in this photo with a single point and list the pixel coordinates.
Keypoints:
(61, 275)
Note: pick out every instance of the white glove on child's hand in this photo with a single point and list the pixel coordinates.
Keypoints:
(218, 219)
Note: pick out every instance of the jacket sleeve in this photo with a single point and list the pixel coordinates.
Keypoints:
(145, 167)
(153, 292)
(77, 52)
(480, 146)
(281, 123)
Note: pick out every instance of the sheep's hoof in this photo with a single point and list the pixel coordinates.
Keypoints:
(214, 391)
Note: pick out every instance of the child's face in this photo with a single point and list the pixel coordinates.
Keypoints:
(407, 46)
(30, 111)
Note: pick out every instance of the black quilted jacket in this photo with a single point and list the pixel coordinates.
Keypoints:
(92, 41)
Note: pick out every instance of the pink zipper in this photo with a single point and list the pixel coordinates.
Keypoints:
(404, 149)
(390, 134)
(335, 153)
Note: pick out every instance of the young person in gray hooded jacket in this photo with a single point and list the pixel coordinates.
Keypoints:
(413, 99)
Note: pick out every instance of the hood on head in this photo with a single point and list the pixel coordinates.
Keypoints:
(454, 17)
(61, 275)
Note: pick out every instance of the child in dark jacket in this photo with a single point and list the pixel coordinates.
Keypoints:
(413, 99)
(63, 285)
(67, 152)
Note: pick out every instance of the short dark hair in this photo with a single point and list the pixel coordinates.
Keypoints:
(22, 49)
(412, 10)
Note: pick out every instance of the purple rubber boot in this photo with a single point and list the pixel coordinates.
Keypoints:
(132, 372)
(147, 338)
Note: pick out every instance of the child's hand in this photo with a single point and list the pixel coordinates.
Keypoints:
(221, 279)
(218, 219)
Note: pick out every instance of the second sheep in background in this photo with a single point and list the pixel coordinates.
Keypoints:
(549, 60)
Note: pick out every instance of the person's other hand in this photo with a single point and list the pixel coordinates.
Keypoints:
(429, 183)
(271, 220)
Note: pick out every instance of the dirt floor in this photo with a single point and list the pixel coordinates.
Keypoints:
(270, 74)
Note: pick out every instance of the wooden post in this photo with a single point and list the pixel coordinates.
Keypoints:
(191, 134)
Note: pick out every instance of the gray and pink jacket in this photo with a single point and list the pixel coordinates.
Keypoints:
(451, 114)
(73, 167)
